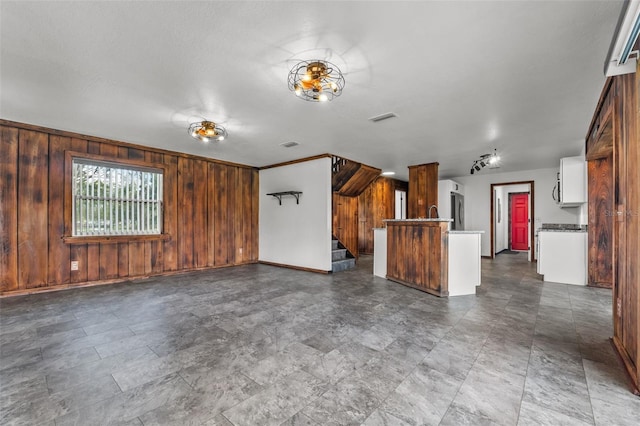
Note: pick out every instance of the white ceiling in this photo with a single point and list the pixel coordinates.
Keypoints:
(463, 77)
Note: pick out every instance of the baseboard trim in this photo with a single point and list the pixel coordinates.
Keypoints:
(69, 286)
(298, 268)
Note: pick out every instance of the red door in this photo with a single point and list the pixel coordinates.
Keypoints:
(519, 221)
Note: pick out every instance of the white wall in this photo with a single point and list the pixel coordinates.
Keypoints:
(501, 231)
(478, 200)
(297, 234)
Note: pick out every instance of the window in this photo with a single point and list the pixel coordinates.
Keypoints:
(115, 199)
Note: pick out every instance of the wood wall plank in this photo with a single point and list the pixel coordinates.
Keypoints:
(33, 211)
(200, 213)
(601, 216)
(185, 219)
(376, 204)
(108, 251)
(423, 190)
(170, 219)
(211, 209)
(8, 210)
(221, 216)
(255, 196)
(154, 250)
(59, 253)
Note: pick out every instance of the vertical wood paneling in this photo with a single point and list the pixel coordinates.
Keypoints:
(109, 266)
(614, 133)
(155, 249)
(237, 216)
(137, 259)
(601, 215)
(32, 209)
(200, 213)
(170, 247)
(77, 252)
(423, 190)
(417, 255)
(255, 196)
(376, 204)
(220, 217)
(210, 213)
(247, 224)
(185, 218)
(345, 221)
(8, 212)
(59, 252)
(626, 168)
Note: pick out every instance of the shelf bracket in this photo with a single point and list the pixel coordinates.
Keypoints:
(279, 195)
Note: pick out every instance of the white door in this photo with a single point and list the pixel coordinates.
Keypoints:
(401, 204)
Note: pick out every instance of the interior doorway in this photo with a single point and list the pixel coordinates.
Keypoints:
(512, 211)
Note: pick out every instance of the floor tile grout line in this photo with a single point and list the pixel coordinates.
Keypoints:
(526, 377)
(573, 321)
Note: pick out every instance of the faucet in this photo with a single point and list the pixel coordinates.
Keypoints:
(434, 207)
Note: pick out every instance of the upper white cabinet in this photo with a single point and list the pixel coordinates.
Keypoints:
(572, 182)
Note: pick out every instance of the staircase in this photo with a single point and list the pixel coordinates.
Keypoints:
(341, 258)
(350, 178)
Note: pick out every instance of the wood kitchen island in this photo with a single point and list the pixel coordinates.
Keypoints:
(419, 255)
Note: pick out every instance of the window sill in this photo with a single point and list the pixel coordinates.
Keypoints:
(105, 239)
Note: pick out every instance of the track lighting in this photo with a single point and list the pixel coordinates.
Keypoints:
(492, 160)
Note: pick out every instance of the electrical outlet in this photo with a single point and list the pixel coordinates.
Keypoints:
(74, 265)
(240, 250)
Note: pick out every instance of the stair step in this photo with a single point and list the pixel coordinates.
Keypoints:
(338, 254)
(343, 265)
(334, 244)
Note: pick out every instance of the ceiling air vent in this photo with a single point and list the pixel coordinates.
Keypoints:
(384, 116)
(289, 144)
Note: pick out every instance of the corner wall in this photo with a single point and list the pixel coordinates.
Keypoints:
(297, 234)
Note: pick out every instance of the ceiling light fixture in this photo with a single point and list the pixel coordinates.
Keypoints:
(207, 131)
(491, 160)
(316, 80)
(388, 173)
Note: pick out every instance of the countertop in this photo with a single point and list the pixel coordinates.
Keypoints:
(561, 230)
(466, 232)
(418, 220)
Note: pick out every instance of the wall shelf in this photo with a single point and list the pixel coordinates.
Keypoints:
(279, 195)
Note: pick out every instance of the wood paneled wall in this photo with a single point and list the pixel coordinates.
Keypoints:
(345, 221)
(210, 214)
(375, 204)
(423, 190)
(601, 216)
(614, 134)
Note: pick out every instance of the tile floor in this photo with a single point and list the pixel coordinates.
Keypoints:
(259, 345)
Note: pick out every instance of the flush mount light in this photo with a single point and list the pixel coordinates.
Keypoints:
(491, 160)
(316, 80)
(388, 173)
(207, 131)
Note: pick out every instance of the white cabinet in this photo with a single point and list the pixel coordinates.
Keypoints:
(380, 252)
(572, 181)
(464, 267)
(562, 257)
